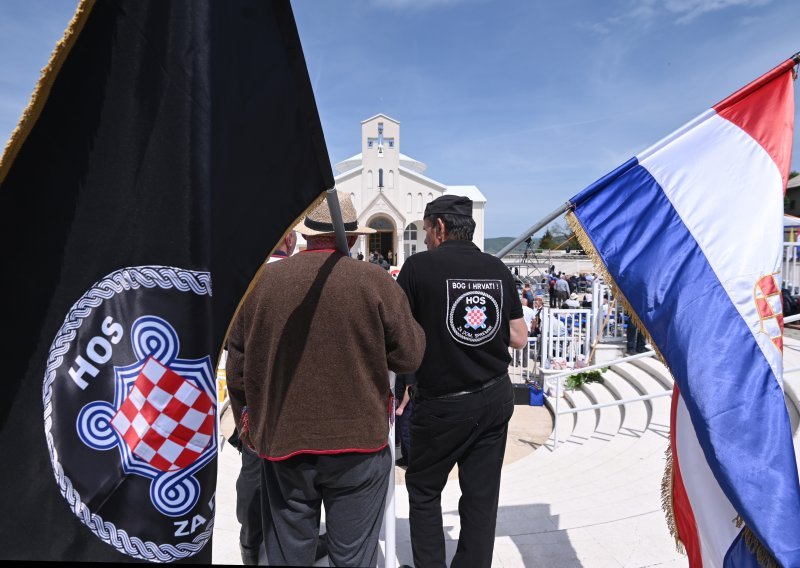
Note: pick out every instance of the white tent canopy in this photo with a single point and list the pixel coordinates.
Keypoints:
(790, 221)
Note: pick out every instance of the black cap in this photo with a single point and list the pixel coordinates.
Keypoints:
(449, 205)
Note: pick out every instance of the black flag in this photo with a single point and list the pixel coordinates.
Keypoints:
(168, 146)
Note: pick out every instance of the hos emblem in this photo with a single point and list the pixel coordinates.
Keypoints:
(474, 310)
(130, 414)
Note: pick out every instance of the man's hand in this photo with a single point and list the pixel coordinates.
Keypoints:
(519, 333)
(244, 438)
(406, 397)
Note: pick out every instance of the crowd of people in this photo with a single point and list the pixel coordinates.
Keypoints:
(376, 257)
(564, 291)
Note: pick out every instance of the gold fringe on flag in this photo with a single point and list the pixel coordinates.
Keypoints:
(754, 545)
(42, 90)
(667, 483)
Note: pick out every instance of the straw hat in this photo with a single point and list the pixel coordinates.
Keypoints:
(318, 220)
(573, 296)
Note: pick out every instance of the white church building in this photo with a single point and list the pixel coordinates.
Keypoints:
(390, 191)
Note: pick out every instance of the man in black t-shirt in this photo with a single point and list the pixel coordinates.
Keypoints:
(468, 305)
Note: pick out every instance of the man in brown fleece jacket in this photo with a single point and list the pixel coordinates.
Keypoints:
(308, 360)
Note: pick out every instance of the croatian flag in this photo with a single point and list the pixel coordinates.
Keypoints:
(691, 232)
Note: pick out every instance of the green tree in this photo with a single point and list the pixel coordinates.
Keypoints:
(547, 242)
(563, 237)
(786, 200)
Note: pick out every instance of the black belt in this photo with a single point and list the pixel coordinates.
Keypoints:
(420, 395)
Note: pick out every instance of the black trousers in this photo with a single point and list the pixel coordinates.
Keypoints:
(469, 430)
(248, 507)
(353, 489)
(635, 340)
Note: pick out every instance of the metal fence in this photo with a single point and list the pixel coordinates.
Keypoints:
(566, 337)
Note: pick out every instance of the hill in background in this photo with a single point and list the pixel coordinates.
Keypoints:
(496, 244)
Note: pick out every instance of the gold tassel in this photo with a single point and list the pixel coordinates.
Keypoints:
(667, 503)
(754, 545)
(45, 83)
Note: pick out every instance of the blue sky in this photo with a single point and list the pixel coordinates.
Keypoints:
(530, 100)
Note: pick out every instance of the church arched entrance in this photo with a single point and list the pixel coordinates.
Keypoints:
(383, 239)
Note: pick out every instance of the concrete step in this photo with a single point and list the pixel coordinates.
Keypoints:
(644, 381)
(601, 446)
(599, 451)
(656, 368)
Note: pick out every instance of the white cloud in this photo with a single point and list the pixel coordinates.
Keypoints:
(414, 5)
(688, 10)
(645, 12)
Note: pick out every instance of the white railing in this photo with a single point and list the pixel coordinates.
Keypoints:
(608, 314)
(566, 337)
(524, 362)
(559, 387)
(559, 380)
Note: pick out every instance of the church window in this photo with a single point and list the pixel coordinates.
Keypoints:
(380, 178)
(380, 128)
(391, 178)
(419, 202)
(369, 143)
(409, 203)
(369, 179)
(430, 198)
(410, 240)
(390, 141)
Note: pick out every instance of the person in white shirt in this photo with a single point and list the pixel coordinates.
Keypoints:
(572, 302)
(522, 354)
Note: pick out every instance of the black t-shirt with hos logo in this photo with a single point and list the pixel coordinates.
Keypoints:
(464, 299)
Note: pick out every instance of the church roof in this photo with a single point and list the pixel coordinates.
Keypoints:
(355, 161)
(470, 191)
(383, 115)
(412, 164)
(348, 164)
(415, 173)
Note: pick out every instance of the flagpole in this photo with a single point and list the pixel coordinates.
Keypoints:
(547, 219)
(338, 223)
(390, 514)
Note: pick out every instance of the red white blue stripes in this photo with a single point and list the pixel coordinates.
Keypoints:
(691, 232)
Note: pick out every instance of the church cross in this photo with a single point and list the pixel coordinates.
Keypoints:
(379, 141)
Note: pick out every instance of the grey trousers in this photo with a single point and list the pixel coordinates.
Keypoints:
(248, 507)
(353, 489)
